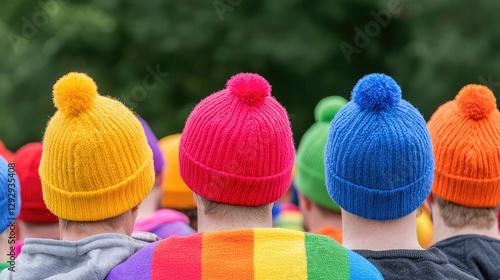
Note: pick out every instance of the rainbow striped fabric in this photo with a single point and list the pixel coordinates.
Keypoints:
(246, 254)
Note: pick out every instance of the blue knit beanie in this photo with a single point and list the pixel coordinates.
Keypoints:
(378, 158)
(10, 200)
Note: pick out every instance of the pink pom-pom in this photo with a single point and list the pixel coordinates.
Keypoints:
(251, 89)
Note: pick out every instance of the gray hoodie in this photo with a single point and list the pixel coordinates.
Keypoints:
(89, 258)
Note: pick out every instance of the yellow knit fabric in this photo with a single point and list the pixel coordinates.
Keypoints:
(176, 194)
(96, 162)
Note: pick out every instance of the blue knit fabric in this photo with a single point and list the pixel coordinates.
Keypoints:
(8, 192)
(378, 157)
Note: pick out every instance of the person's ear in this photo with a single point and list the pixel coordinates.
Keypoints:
(135, 208)
(159, 179)
(430, 199)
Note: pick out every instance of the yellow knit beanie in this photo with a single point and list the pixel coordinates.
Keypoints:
(96, 162)
(176, 194)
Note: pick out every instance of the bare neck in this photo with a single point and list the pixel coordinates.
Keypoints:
(38, 230)
(122, 224)
(211, 224)
(4, 246)
(363, 234)
(150, 203)
(442, 231)
(75, 234)
(318, 219)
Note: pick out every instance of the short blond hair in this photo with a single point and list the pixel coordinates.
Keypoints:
(222, 210)
(113, 223)
(458, 216)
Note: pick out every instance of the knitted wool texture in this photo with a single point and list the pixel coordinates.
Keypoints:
(246, 254)
(176, 194)
(465, 135)
(10, 200)
(96, 162)
(378, 157)
(27, 160)
(310, 177)
(237, 145)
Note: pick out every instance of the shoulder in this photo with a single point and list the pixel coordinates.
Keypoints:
(450, 242)
(328, 250)
(140, 265)
(333, 233)
(135, 267)
(361, 268)
(5, 274)
(468, 245)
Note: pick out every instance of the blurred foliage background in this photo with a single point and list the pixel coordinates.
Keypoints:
(431, 47)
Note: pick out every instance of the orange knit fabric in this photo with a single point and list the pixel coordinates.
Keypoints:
(465, 136)
(333, 233)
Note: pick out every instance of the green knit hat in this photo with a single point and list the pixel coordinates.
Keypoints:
(310, 162)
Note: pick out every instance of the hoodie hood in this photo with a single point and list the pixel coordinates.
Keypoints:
(89, 258)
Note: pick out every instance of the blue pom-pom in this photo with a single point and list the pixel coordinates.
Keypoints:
(376, 92)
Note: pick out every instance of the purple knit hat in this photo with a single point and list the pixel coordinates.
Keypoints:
(158, 160)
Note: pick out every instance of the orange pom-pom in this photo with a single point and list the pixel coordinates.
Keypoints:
(475, 101)
(74, 93)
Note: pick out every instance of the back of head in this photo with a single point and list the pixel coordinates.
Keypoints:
(237, 146)
(9, 195)
(465, 136)
(378, 158)
(310, 163)
(96, 162)
(33, 210)
(176, 194)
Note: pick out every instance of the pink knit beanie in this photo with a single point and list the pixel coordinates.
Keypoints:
(237, 146)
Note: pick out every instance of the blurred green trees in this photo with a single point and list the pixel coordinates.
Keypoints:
(161, 57)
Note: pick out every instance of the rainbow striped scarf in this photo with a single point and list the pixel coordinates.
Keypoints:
(246, 254)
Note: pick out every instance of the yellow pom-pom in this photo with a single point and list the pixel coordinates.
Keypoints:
(74, 93)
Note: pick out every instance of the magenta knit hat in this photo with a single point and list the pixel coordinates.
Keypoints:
(237, 146)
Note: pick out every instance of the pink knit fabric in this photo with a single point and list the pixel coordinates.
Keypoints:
(160, 217)
(237, 145)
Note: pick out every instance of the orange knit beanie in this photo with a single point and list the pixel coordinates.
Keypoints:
(465, 135)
